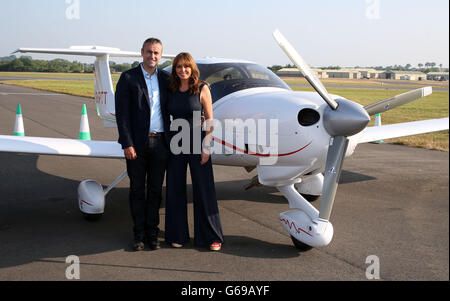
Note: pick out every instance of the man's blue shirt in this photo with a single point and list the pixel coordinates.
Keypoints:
(156, 120)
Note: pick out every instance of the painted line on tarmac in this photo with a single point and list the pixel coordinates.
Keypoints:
(131, 267)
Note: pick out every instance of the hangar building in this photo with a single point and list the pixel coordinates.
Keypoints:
(437, 76)
(353, 73)
(403, 75)
(357, 73)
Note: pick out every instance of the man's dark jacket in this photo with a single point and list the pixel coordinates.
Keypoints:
(133, 107)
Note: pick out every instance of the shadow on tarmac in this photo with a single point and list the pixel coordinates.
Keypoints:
(39, 217)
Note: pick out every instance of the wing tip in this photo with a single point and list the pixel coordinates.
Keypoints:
(427, 91)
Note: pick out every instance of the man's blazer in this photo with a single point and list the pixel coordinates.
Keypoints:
(133, 107)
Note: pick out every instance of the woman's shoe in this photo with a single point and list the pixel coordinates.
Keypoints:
(175, 245)
(215, 246)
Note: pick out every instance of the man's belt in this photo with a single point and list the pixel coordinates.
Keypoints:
(155, 134)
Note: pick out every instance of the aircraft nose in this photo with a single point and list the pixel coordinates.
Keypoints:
(347, 120)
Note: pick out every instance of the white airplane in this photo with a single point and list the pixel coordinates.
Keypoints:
(314, 133)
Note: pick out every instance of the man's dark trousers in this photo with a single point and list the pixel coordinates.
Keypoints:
(149, 167)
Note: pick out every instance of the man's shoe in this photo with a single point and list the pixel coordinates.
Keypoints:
(138, 246)
(175, 245)
(154, 244)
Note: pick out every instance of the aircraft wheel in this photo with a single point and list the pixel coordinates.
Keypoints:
(311, 198)
(299, 245)
(92, 217)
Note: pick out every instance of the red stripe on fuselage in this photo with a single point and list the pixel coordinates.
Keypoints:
(257, 154)
(86, 203)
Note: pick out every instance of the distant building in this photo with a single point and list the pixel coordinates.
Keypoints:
(403, 75)
(437, 76)
(343, 73)
(353, 73)
(289, 72)
(320, 73)
(369, 73)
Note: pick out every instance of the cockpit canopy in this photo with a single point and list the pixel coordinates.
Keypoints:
(228, 77)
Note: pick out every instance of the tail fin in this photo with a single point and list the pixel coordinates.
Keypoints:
(104, 92)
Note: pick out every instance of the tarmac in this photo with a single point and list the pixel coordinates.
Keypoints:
(392, 202)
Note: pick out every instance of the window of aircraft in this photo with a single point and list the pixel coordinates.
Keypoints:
(226, 78)
(255, 72)
(225, 74)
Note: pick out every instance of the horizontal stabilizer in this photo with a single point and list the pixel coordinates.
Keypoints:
(61, 147)
(389, 131)
(86, 51)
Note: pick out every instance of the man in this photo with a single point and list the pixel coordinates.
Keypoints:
(143, 125)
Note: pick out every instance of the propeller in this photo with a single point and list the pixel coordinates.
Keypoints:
(304, 68)
(397, 100)
(342, 118)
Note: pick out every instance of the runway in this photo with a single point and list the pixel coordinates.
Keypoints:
(392, 202)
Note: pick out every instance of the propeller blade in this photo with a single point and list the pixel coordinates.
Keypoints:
(333, 167)
(304, 68)
(397, 100)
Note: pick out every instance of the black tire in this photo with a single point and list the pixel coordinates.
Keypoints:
(92, 217)
(311, 198)
(299, 245)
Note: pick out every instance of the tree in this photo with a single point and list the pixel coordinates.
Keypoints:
(76, 67)
(27, 63)
(135, 64)
(7, 58)
(40, 65)
(88, 68)
(16, 65)
(420, 65)
(275, 68)
(165, 64)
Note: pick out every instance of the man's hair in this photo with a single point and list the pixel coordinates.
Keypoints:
(152, 41)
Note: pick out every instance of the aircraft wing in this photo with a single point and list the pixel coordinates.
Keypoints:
(60, 146)
(389, 131)
(88, 51)
(112, 149)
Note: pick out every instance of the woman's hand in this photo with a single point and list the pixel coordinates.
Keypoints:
(205, 157)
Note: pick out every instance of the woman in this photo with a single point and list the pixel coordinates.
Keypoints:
(186, 98)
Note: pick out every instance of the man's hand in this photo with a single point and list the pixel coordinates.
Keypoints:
(130, 153)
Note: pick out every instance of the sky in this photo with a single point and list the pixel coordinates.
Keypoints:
(325, 32)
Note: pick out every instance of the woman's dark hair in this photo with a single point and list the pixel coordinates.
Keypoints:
(194, 82)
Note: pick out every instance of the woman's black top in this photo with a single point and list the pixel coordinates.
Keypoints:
(183, 105)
